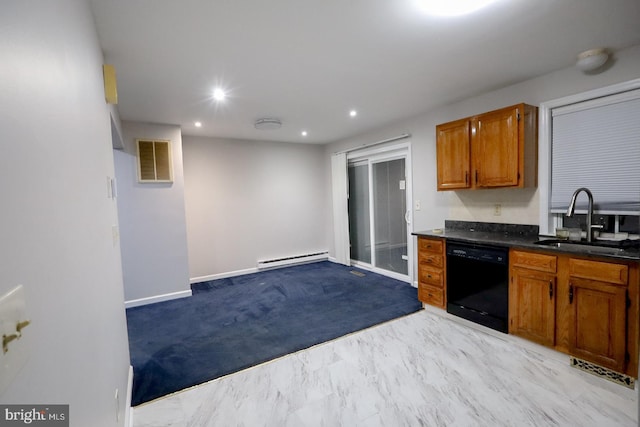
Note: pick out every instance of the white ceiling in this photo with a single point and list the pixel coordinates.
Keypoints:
(309, 62)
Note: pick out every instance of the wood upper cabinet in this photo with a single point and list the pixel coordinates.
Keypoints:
(496, 160)
(453, 147)
(598, 308)
(431, 271)
(532, 296)
(490, 150)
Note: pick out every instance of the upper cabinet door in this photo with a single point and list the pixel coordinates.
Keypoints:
(495, 146)
(453, 153)
(490, 150)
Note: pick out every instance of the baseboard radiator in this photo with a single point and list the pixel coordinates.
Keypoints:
(291, 260)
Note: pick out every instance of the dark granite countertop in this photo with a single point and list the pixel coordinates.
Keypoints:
(516, 236)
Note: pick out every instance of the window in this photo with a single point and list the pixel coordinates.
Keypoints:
(591, 140)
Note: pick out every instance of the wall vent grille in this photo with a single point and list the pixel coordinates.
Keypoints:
(605, 373)
(154, 161)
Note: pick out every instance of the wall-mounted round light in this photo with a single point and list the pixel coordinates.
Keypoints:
(592, 59)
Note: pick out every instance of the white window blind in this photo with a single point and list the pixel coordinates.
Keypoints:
(596, 144)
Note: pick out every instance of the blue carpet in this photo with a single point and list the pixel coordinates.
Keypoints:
(232, 324)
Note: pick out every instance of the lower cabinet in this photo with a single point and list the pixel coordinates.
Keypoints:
(585, 307)
(598, 312)
(532, 302)
(431, 271)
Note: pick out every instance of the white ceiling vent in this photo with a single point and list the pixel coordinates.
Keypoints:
(267, 124)
(154, 161)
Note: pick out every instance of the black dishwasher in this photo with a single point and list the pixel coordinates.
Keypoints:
(478, 284)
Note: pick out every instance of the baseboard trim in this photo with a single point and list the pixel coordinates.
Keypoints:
(157, 298)
(128, 413)
(254, 270)
(222, 275)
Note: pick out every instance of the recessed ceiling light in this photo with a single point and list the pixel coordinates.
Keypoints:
(451, 7)
(353, 113)
(198, 124)
(304, 133)
(219, 94)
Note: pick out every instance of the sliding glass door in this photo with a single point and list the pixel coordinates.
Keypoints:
(359, 215)
(379, 213)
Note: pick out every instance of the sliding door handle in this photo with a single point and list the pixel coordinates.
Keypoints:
(407, 216)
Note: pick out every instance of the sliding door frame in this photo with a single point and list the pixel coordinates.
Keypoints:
(378, 155)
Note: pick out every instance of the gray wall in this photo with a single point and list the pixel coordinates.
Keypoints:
(56, 229)
(518, 205)
(252, 200)
(152, 220)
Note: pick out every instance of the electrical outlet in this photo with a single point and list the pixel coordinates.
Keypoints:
(115, 234)
(418, 205)
(497, 210)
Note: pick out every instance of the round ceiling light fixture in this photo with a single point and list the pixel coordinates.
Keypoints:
(451, 7)
(592, 59)
(267, 124)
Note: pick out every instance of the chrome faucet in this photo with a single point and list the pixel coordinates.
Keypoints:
(572, 208)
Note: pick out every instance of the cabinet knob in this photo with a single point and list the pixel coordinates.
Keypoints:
(550, 289)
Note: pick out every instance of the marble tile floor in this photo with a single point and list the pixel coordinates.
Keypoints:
(425, 369)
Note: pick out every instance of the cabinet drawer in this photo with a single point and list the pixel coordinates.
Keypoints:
(430, 245)
(600, 271)
(432, 276)
(534, 261)
(431, 295)
(429, 259)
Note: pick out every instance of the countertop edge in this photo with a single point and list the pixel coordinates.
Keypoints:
(519, 241)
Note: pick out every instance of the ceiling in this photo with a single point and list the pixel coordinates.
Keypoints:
(308, 63)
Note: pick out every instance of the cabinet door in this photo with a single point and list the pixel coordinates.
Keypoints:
(495, 148)
(453, 153)
(532, 305)
(598, 330)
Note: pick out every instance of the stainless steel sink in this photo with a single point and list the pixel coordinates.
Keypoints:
(580, 246)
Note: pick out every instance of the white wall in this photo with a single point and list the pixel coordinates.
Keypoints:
(152, 220)
(252, 200)
(56, 229)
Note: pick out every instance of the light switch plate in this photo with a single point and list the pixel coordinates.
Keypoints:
(13, 310)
